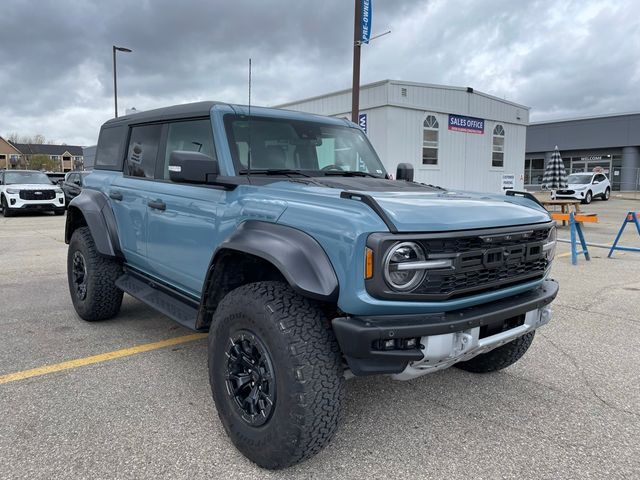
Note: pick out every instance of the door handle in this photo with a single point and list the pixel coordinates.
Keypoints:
(114, 194)
(157, 204)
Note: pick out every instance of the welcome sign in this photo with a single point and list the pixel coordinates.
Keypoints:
(460, 123)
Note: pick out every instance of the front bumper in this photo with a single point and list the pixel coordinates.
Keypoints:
(446, 338)
(576, 195)
(14, 202)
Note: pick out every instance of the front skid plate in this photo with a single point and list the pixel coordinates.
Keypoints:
(442, 351)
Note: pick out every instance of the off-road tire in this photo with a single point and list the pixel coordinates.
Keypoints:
(588, 198)
(607, 194)
(103, 299)
(307, 366)
(6, 211)
(499, 358)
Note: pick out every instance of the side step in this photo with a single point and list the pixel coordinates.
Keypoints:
(180, 310)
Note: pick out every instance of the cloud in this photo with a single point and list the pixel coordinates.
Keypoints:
(562, 58)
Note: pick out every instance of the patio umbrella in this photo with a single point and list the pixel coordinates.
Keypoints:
(555, 176)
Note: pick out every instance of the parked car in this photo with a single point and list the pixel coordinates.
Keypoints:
(57, 178)
(281, 234)
(585, 187)
(29, 190)
(72, 185)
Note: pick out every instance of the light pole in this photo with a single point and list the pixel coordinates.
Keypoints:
(115, 81)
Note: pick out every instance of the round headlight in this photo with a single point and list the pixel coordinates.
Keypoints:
(398, 271)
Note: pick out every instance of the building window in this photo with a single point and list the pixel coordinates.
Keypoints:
(55, 157)
(497, 151)
(430, 140)
(77, 159)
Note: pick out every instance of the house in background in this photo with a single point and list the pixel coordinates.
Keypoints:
(69, 157)
(10, 156)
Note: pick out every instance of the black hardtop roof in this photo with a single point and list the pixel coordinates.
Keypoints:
(197, 109)
(203, 109)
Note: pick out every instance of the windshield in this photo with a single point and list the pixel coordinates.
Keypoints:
(11, 178)
(579, 179)
(297, 146)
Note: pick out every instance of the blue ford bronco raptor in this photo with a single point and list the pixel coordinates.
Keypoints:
(282, 235)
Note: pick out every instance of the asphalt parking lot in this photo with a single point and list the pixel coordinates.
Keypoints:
(569, 409)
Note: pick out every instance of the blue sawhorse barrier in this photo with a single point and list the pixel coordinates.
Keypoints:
(576, 229)
(632, 217)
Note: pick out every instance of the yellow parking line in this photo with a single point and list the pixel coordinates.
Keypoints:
(103, 357)
(568, 254)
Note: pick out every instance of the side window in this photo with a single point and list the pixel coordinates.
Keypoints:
(71, 178)
(600, 177)
(143, 151)
(497, 150)
(192, 136)
(108, 153)
(430, 134)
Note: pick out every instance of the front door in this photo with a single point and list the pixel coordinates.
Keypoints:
(182, 232)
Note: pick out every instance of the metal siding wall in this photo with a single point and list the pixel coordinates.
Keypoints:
(464, 158)
(378, 133)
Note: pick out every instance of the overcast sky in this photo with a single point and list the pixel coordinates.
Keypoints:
(562, 58)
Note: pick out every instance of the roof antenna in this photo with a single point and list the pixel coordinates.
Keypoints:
(249, 125)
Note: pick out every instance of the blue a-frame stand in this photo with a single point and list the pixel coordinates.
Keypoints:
(575, 228)
(632, 217)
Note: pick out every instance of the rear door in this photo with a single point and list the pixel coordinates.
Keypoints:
(182, 232)
(130, 193)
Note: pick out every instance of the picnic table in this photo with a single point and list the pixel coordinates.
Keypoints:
(565, 206)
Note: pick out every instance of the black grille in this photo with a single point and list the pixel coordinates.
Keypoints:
(37, 194)
(511, 261)
(482, 261)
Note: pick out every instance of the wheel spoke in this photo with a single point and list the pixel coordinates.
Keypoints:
(250, 377)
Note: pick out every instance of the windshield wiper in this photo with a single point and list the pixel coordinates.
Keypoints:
(273, 171)
(350, 173)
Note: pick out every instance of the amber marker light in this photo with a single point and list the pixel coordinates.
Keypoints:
(368, 263)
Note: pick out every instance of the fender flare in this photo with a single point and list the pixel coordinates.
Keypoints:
(93, 206)
(297, 255)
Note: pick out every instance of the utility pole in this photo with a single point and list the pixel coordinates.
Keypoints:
(357, 45)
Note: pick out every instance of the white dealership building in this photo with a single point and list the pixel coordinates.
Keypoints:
(454, 137)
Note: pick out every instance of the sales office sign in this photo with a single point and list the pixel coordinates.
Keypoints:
(460, 123)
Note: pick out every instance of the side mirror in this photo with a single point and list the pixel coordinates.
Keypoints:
(404, 172)
(192, 167)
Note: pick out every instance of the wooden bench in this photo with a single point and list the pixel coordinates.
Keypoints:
(578, 217)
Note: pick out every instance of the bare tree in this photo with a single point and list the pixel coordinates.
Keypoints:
(13, 137)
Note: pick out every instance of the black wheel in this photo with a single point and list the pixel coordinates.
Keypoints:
(6, 211)
(500, 357)
(92, 279)
(607, 194)
(588, 198)
(276, 374)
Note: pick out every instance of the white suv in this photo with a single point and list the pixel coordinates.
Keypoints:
(28, 190)
(585, 187)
